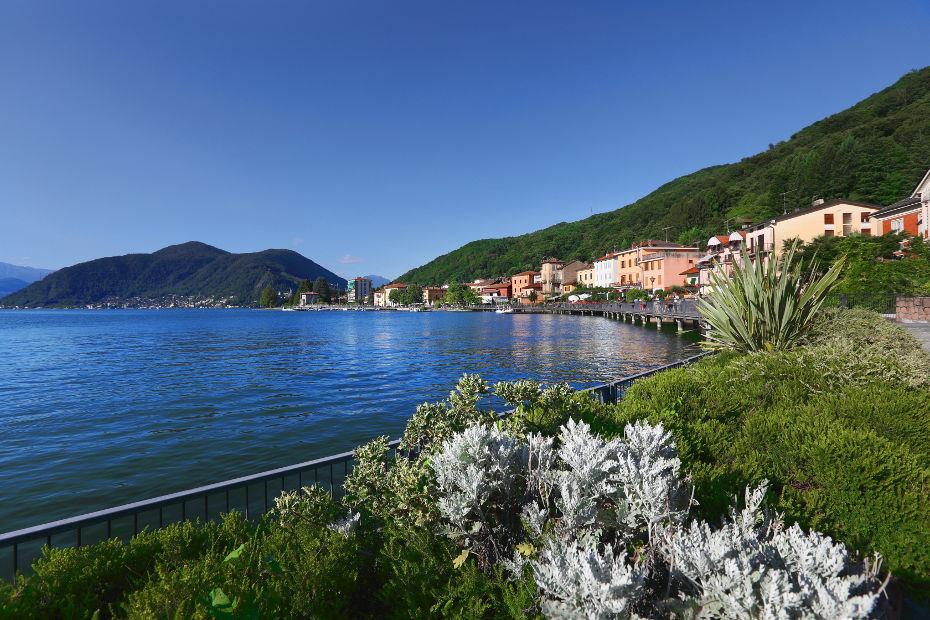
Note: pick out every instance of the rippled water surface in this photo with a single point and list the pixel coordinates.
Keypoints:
(99, 408)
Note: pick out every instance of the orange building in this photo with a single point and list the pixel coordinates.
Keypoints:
(910, 216)
(521, 281)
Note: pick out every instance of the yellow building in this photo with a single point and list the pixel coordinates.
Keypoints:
(839, 218)
(585, 277)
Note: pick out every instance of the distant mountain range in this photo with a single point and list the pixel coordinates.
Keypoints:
(26, 274)
(16, 277)
(192, 270)
(378, 281)
(876, 151)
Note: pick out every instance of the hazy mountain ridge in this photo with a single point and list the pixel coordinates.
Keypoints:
(191, 269)
(876, 151)
(21, 272)
(378, 281)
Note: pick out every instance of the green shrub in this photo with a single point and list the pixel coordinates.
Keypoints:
(847, 452)
(858, 344)
(419, 580)
(844, 472)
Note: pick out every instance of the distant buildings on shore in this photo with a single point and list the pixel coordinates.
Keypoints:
(652, 265)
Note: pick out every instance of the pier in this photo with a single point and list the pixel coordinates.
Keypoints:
(683, 314)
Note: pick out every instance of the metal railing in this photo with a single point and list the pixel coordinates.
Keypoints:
(252, 495)
(681, 309)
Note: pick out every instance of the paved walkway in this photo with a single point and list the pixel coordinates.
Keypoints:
(921, 330)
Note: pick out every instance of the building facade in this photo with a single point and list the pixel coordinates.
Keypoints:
(569, 275)
(585, 277)
(496, 293)
(839, 218)
(433, 293)
(382, 297)
(910, 216)
(606, 270)
(358, 290)
(521, 281)
(551, 276)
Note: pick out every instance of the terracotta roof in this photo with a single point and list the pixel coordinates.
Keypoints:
(690, 271)
(396, 285)
(721, 238)
(526, 273)
(553, 260)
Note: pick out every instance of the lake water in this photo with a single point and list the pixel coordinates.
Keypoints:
(99, 408)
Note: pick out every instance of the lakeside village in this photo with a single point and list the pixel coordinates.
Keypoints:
(650, 268)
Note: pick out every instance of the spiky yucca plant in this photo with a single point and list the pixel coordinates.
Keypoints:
(766, 305)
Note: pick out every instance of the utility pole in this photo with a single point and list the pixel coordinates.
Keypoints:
(726, 223)
(784, 200)
(666, 233)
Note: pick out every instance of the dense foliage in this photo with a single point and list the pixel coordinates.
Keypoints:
(409, 296)
(571, 508)
(876, 152)
(839, 427)
(189, 269)
(459, 295)
(878, 268)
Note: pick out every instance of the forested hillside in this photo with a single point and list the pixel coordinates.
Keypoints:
(876, 151)
(189, 269)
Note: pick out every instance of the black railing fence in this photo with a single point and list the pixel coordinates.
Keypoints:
(882, 302)
(251, 495)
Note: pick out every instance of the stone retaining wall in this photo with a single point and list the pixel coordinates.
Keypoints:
(912, 309)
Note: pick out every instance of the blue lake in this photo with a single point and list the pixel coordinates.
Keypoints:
(99, 408)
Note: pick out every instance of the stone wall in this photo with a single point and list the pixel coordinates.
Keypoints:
(913, 309)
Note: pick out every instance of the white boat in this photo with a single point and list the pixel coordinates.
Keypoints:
(504, 311)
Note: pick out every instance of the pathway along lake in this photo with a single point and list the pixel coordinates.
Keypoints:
(99, 408)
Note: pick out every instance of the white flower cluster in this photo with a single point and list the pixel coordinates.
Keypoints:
(570, 508)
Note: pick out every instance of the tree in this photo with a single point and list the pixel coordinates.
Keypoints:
(321, 288)
(692, 237)
(396, 296)
(304, 287)
(268, 298)
(533, 296)
(413, 294)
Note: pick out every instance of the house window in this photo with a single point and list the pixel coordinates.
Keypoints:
(847, 224)
(865, 216)
(866, 232)
(828, 232)
(827, 218)
(897, 225)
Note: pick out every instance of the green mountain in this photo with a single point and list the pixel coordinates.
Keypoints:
(876, 151)
(191, 269)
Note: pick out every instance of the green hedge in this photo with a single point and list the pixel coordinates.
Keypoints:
(843, 434)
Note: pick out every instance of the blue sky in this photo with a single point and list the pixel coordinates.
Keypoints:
(374, 136)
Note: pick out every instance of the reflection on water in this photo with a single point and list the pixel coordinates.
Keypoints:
(104, 407)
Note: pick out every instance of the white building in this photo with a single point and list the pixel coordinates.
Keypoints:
(605, 270)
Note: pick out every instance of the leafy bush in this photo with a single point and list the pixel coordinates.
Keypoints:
(838, 431)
